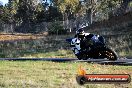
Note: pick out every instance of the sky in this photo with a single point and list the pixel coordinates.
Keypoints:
(4, 1)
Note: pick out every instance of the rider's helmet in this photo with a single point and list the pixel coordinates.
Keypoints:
(80, 33)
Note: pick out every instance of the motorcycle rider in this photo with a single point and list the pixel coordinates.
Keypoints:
(84, 41)
(85, 38)
(78, 42)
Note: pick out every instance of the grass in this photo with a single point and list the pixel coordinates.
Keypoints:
(56, 47)
(17, 36)
(41, 74)
(61, 53)
(127, 53)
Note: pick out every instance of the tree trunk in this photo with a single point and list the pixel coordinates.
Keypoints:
(63, 20)
(89, 16)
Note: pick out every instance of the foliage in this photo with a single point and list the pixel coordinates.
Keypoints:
(56, 28)
(25, 14)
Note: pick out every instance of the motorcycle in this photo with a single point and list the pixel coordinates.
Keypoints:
(94, 47)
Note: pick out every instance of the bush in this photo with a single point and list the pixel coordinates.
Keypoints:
(56, 28)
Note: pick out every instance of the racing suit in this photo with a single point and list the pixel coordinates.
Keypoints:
(82, 43)
(75, 45)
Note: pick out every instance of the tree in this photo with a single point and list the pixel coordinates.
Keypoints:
(124, 5)
(68, 10)
(26, 15)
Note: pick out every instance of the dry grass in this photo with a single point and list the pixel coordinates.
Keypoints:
(40, 74)
(55, 46)
(18, 36)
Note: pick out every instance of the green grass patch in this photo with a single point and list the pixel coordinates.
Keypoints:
(41, 74)
(55, 54)
(126, 53)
